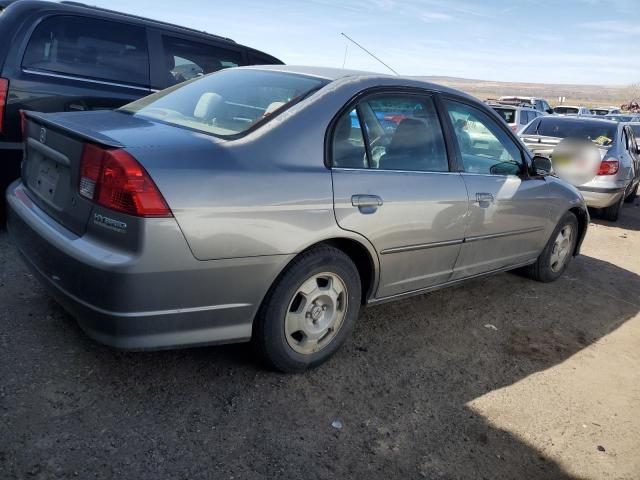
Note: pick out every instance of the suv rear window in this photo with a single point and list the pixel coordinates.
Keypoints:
(563, 110)
(226, 103)
(595, 130)
(186, 59)
(507, 114)
(91, 48)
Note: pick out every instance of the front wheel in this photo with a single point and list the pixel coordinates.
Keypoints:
(558, 252)
(309, 311)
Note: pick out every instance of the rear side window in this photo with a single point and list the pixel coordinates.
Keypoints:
(508, 114)
(185, 59)
(91, 48)
(402, 130)
(524, 117)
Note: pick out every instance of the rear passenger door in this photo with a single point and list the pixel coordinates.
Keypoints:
(393, 185)
(509, 211)
(76, 63)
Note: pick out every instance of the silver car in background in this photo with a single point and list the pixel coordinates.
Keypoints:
(619, 173)
(270, 203)
(516, 117)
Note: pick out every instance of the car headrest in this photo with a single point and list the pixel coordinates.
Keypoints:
(273, 106)
(343, 129)
(410, 134)
(207, 106)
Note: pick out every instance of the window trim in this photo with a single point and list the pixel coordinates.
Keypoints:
(525, 172)
(354, 102)
(44, 18)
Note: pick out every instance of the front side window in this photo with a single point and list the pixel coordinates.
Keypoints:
(484, 146)
(185, 59)
(226, 103)
(403, 133)
(91, 48)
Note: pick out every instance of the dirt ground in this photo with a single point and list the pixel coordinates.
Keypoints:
(499, 378)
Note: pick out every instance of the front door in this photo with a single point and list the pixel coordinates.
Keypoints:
(392, 184)
(509, 216)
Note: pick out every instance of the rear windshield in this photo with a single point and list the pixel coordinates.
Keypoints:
(597, 131)
(507, 114)
(596, 111)
(228, 102)
(566, 110)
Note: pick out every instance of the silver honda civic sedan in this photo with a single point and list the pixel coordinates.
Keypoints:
(270, 203)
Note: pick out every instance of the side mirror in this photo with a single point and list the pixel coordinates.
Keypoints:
(550, 111)
(542, 165)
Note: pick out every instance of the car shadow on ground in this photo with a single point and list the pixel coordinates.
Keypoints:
(400, 388)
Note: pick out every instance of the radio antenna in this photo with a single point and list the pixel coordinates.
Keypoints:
(367, 51)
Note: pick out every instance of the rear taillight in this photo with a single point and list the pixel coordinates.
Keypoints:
(23, 124)
(514, 128)
(609, 167)
(114, 179)
(4, 90)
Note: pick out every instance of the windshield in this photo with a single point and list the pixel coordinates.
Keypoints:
(600, 132)
(566, 110)
(507, 114)
(228, 102)
(636, 129)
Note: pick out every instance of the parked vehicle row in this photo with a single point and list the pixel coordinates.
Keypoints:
(273, 200)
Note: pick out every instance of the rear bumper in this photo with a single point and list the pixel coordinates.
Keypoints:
(601, 197)
(148, 299)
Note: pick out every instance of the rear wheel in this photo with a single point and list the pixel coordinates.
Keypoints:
(632, 195)
(612, 212)
(309, 311)
(558, 252)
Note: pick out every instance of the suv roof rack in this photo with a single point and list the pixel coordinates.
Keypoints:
(510, 103)
(139, 17)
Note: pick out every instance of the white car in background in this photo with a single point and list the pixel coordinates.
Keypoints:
(601, 111)
(516, 117)
(571, 110)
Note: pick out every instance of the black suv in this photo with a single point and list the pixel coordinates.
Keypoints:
(68, 56)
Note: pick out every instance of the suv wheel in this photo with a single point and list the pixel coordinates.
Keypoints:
(309, 310)
(557, 254)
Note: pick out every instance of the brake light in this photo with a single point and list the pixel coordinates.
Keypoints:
(514, 128)
(609, 167)
(4, 90)
(114, 179)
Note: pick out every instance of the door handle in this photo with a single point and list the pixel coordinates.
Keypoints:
(484, 199)
(366, 203)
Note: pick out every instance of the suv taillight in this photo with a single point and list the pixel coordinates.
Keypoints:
(609, 167)
(4, 90)
(114, 179)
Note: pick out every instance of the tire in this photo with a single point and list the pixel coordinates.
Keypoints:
(612, 212)
(288, 329)
(545, 269)
(631, 197)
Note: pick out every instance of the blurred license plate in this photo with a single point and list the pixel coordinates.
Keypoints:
(46, 181)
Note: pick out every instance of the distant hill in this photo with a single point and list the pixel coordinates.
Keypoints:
(587, 95)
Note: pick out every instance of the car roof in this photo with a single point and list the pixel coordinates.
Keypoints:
(332, 74)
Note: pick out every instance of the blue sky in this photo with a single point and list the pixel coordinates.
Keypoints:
(550, 41)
